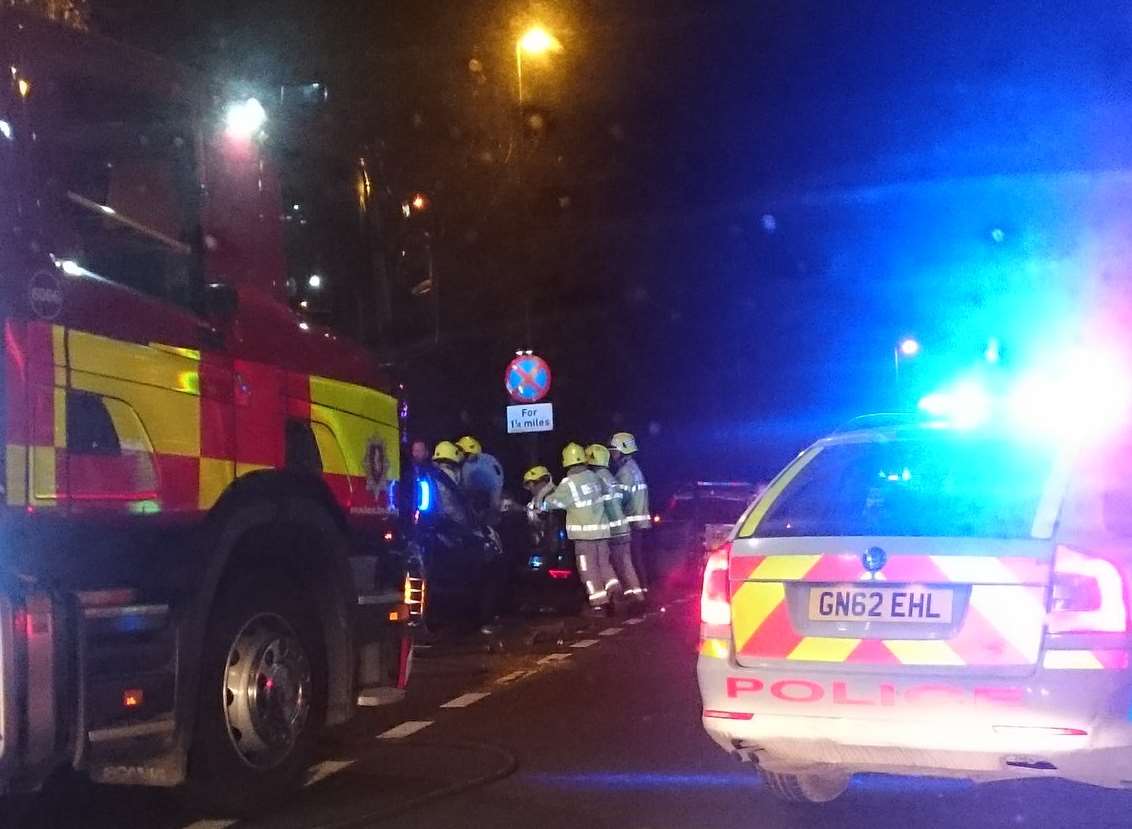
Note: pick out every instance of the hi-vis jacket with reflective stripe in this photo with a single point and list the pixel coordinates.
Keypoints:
(613, 496)
(580, 494)
(636, 494)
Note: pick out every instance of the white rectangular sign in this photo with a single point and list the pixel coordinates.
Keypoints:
(530, 417)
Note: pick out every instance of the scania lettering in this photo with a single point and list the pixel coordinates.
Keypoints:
(201, 564)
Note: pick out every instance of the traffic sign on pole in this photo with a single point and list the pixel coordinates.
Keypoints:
(527, 378)
(530, 417)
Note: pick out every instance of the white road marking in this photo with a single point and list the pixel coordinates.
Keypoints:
(634, 621)
(553, 657)
(326, 769)
(464, 700)
(610, 632)
(511, 677)
(405, 729)
(584, 643)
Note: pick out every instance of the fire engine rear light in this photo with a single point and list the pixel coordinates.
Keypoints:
(1087, 595)
(559, 574)
(715, 601)
(1040, 730)
(727, 715)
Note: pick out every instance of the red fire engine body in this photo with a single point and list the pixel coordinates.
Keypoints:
(200, 559)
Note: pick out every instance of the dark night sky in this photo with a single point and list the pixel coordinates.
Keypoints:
(680, 124)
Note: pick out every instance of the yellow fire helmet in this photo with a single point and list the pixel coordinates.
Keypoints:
(573, 455)
(597, 455)
(446, 450)
(470, 445)
(535, 473)
(624, 443)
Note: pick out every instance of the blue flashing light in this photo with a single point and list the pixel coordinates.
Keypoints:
(967, 404)
(1085, 393)
(424, 495)
(536, 562)
(1075, 394)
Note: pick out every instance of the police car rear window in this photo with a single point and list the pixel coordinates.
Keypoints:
(936, 486)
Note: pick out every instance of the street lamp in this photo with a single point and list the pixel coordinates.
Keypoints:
(534, 41)
(908, 348)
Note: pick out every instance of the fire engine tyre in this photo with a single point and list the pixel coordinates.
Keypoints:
(806, 788)
(262, 696)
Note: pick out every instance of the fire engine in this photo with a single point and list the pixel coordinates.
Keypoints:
(201, 560)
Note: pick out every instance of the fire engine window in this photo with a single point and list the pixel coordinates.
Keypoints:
(329, 267)
(119, 175)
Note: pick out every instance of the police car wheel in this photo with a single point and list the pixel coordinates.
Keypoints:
(262, 695)
(806, 788)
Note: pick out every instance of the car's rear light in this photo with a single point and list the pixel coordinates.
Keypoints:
(1087, 595)
(715, 600)
(559, 574)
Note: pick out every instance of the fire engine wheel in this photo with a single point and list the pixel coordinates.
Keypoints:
(806, 788)
(262, 695)
(266, 691)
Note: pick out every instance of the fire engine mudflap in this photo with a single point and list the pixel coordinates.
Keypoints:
(41, 702)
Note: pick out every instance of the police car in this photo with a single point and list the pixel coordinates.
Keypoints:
(926, 596)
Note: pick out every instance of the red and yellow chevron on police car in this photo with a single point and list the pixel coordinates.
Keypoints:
(924, 598)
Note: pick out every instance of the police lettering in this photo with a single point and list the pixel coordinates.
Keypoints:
(805, 691)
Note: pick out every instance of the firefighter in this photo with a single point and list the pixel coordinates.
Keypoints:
(482, 478)
(635, 491)
(446, 461)
(579, 494)
(538, 482)
(620, 556)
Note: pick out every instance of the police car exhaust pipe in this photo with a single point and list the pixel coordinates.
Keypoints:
(1030, 763)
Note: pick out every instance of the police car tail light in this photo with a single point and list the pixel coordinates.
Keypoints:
(1087, 595)
(715, 600)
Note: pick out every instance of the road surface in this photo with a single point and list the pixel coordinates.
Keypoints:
(566, 726)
